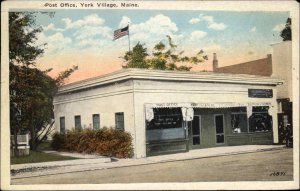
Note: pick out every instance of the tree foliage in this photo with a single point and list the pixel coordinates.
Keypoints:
(31, 90)
(163, 57)
(286, 33)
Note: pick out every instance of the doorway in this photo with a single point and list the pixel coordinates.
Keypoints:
(219, 125)
(195, 131)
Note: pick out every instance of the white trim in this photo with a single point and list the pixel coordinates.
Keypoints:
(162, 75)
(216, 129)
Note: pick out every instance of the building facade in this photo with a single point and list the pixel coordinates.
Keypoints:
(277, 65)
(171, 111)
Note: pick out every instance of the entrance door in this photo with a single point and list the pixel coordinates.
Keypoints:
(196, 130)
(219, 125)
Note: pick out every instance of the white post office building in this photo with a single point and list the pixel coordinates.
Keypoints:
(172, 111)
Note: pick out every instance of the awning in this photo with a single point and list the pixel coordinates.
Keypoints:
(188, 111)
(206, 105)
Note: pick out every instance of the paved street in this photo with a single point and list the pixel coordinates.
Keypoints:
(266, 165)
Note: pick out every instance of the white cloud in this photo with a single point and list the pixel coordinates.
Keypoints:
(124, 21)
(51, 26)
(196, 35)
(211, 23)
(217, 26)
(253, 29)
(194, 20)
(89, 30)
(92, 31)
(153, 30)
(279, 27)
(55, 42)
(87, 20)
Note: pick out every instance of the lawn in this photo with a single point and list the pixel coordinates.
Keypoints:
(39, 156)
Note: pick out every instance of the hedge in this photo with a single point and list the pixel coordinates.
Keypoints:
(104, 141)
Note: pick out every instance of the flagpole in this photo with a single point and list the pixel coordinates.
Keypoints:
(128, 38)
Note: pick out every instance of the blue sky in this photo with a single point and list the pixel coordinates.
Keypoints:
(235, 36)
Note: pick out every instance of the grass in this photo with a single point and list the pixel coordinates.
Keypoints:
(40, 156)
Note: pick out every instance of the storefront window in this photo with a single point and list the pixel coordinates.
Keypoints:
(165, 118)
(239, 121)
(260, 120)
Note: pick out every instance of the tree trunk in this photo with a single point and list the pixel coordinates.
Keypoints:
(33, 135)
(15, 147)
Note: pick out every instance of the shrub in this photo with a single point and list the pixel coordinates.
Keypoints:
(58, 141)
(104, 141)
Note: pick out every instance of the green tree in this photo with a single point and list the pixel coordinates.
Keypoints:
(163, 57)
(137, 57)
(286, 33)
(31, 90)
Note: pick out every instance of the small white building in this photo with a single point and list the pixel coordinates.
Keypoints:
(172, 111)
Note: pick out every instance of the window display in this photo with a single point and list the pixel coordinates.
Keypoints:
(165, 118)
(260, 120)
(239, 120)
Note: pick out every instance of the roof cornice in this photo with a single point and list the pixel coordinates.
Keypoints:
(164, 75)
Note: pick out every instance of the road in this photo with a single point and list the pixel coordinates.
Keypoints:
(266, 165)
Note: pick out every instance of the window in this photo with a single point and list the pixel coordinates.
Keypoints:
(119, 118)
(62, 125)
(165, 118)
(96, 121)
(260, 120)
(239, 123)
(219, 125)
(77, 122)
(239, 120)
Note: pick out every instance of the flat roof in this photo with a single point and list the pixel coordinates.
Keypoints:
(167, 75)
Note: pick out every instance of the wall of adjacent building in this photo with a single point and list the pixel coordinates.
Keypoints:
(282, 68)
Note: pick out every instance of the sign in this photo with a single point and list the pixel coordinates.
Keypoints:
(206, 105)
(260, 93)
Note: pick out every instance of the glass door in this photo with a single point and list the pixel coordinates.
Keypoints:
(219, 125)
(196, 130)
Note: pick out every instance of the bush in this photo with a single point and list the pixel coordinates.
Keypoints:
(103, 141)
(58, 140)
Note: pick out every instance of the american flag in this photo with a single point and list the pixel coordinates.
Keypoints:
(121, 32)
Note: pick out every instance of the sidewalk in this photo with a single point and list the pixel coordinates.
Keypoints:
(98, 163)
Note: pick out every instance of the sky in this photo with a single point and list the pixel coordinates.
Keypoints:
(85, 37)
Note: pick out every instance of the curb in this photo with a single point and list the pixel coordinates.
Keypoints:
(149, 162)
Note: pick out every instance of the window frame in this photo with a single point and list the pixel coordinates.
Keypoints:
(117, 114)
(93, 120)
(80, 126)
(60, 125)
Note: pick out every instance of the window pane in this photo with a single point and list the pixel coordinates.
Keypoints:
(260, 122)
(77, 122)
(96, 121)
(165, 118)
(196, 140)
(219, 124)
(239, 123)
(119, 117)
(62, 125)
(195, 126)
(220, 138)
